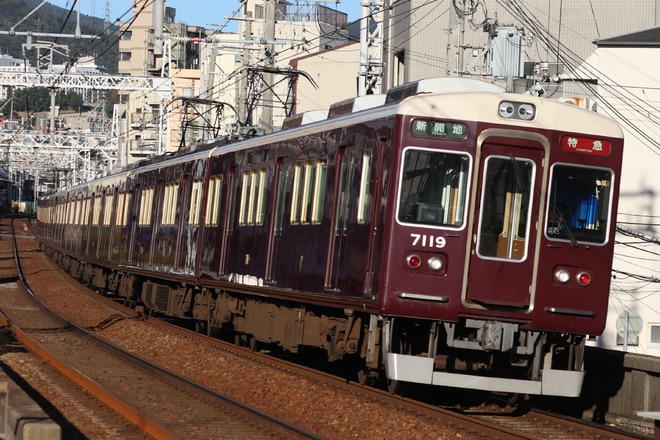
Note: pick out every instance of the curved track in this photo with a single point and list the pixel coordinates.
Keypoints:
(162, 404)
(470, 424)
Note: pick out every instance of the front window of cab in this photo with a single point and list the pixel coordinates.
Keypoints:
(433, 188)
(579, 204)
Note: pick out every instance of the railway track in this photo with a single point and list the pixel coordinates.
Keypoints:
(421, 418)
(162, 404)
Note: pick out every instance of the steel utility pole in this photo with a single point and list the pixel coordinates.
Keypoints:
(371, 48)
(269, 36)
(456, 42)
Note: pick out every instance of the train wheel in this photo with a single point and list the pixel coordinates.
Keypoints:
(394, 386)
(253, 344)
(200, 327)
(368, 377)
(400, 345)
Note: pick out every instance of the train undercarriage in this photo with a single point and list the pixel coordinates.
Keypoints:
(472, 353)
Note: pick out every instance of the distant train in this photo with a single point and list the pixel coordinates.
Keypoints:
(446, 233)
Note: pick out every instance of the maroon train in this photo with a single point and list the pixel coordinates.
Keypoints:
(446, 233)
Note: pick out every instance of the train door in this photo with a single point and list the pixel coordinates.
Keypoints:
(182, 222)
(114, 219)
(276, 227)
(157, 212)
(228, 223)
(370, 193)
(134, 219)
(100, 223)
(90, 222)
(348, 244)
(501, 263)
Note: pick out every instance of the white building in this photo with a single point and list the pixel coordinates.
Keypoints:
(627, 68)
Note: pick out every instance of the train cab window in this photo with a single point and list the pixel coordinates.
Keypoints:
(579, 204)
(433, 188)
(505, 202)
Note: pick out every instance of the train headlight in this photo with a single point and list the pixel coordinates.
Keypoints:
(562, 276)
(414, 262)
(506, 109)
(516, 110)
(435, 264)
(526, 111)
(583, 279)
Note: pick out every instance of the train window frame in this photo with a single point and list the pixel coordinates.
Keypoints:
(507, 246)
(107, 213)
(309, 181)
(555, 220)
(213, 201)
(365, 181)
(252, 210)
(196, 202)
(97, 210)
(146, 203)
(169, 204)
(280, 197)
(457, 202)
(167, 207)
(128, 200)
(346, 169)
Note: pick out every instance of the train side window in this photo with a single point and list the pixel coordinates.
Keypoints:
(579, 203)
(85, 215)
(166, 205)
(344, 194)
(282, 185)
(253, 198)
(196, 202)
(363, 198)
(213, 201)
(433, 188)
(128, 203)
(170, 204)
(145, 206)
(97, 210)
(107, 212)
(309, 181)
(505, 202)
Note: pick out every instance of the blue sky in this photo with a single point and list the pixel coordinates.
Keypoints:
(205, 13)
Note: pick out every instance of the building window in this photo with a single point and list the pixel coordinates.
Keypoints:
(124, 56)
(628, 328)
(655, 335)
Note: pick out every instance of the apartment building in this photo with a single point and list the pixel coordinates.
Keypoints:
(147, 124)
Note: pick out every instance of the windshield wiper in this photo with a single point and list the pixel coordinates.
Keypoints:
(560, 218)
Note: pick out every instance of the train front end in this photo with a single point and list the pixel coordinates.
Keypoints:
(498, 242)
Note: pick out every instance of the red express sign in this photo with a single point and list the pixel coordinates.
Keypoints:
(575, 144)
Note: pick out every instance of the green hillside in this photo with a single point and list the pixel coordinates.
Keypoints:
(53, 19)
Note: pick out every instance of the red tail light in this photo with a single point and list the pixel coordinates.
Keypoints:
(414, 262)
(584, 279)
